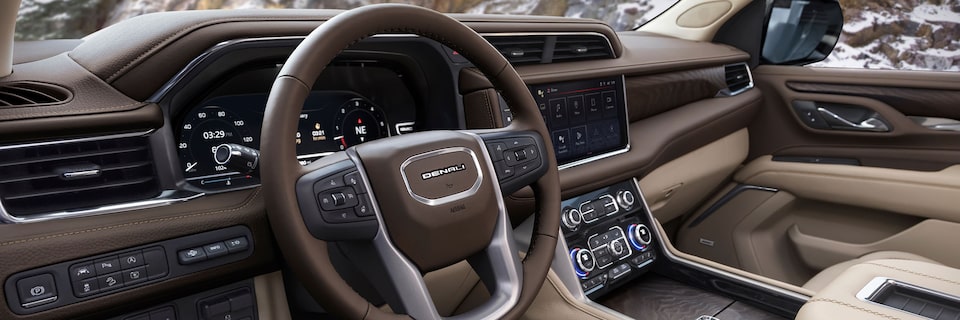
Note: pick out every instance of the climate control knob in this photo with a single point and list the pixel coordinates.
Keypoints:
(626, 199)
(583, 261)
(640, 235)
(571, 218)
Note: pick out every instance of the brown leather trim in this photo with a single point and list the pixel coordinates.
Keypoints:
(138, 63)
(481, 109)
(778, 130)
(643, 53)
(90, 96)
(40, 244)
(650, 95)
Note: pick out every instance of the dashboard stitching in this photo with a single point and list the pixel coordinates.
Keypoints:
(57, 112)
(191, 28)
(244, 205)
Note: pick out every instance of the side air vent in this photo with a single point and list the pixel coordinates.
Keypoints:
(77, 175)
(738, 79)
(28, 93)
(520, 49)
(572, 48)
(537, 49)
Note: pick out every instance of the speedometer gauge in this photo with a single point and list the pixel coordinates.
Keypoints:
(359, 121)
(202, 131)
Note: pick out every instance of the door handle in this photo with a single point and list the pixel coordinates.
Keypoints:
(872, 123)
(942, 124)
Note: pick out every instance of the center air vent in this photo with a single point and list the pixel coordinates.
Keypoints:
(76, 175)
(536, 49)
(574, 47)
(738, 78)
(28, 94)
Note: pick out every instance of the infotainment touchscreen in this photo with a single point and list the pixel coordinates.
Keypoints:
(587, 119)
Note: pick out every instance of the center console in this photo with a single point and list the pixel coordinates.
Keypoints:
(608, 237)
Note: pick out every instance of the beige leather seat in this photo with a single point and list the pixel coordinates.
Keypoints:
(826, 276)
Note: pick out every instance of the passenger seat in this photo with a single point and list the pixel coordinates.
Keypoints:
(826, 276)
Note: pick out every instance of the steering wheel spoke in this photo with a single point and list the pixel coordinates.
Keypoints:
(517, 156)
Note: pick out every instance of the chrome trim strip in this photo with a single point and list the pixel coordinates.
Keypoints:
(166, 197)
(40, 302)
(626, 124)
(81, 174)
(85, 139)
(725, 92)
(446, 199)
(878, 285)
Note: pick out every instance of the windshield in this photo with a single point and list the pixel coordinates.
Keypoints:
(72, 19)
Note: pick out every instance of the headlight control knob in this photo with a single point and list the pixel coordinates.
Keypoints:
(571, 218)
(626, 199)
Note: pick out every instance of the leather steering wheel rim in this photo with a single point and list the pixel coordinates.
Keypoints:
(308, 256)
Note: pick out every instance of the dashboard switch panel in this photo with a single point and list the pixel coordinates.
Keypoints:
(86, 278)
(608, 237)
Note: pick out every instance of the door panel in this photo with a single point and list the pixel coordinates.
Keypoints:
(831, 194)
(895, 95)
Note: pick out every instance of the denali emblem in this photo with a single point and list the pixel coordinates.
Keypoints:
(442, 171)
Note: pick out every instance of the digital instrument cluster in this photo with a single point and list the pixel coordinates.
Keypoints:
(331, 121)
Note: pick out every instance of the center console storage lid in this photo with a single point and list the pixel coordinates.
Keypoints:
(847, 297)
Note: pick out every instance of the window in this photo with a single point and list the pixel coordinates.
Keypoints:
(52, 19)
(901, 35)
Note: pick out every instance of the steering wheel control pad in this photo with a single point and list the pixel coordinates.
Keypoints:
(334, 203)
(517, 158)
(437, 201)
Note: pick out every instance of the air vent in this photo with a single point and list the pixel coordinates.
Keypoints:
(27, 94)
(738, 78)
(536, 49)
(520, 49)
(77, 175)
(585, 47)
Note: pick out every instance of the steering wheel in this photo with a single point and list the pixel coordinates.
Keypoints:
(413, 203)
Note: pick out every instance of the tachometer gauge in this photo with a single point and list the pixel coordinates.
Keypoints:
(202, 131)
(359, 121)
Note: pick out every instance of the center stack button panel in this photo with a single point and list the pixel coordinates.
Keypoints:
(608, 237)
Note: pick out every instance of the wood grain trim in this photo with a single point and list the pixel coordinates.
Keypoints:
(910, 101)
(651, 95)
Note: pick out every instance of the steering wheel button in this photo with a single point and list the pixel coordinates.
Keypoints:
(353, 179)
(338, 199)
(340, 216)
(496, 150)
(328, 183)
(503, 170)
(363, 208)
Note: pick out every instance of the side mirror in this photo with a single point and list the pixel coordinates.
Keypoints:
(801, 31)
